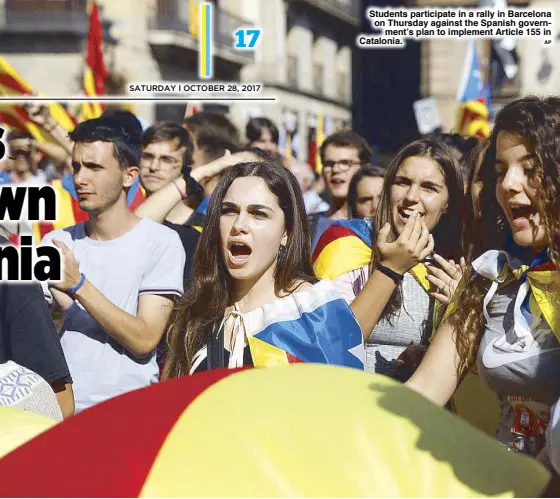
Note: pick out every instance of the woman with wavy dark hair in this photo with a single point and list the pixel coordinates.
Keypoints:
(506, 318)
(254, 299)
(392, 295)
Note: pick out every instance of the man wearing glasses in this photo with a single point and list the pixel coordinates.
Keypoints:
(167, 147)
(342, 155)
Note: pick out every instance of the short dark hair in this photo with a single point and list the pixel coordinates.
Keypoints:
(212, 122)
(125, 118)
(215, 146)
(257, 152)
(348, 138)
(255, 127)
(126, 146)
(169, 130)
(18, 135)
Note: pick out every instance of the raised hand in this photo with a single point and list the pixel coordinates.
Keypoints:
(445, 277)
(39, 113)
(411, 247)
(71, 272)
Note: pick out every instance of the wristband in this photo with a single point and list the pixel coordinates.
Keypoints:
(395, 276)
(77, 287)
(193, 187)
(183, 196)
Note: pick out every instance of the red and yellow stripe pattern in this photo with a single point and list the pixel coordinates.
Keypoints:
(473, 119)
(95, 73)
(15, 117)
(304, 430)
(69, 213)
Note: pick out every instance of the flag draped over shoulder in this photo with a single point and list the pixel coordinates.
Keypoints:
(14, 116)
(535, 301)
(312, 325)
(95, 73)
(344, 246)
(473, 97)
(69, 212)
(347, 245)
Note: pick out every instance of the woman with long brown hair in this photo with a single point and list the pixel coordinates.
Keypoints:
(254, 299)
(391, 295)
(506, 317)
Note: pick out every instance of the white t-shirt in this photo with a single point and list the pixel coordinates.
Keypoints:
(149, 259)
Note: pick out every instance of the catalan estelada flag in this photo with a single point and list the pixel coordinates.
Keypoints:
(537, 299)
(69, 211)
(311, 325)
(474, 98)
(14, 116)
(95, 73)
(344, 246)
(294, 431)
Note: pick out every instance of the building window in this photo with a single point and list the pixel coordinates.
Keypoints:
(318, 77)
(292, 72)
(342, 86)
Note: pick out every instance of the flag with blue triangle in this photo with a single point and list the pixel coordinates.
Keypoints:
(474, 97)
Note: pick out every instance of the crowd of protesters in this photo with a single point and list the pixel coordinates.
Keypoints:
(440, 263)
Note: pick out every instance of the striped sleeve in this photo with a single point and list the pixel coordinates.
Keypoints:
(164, 274)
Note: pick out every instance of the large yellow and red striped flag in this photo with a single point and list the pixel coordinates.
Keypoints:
(14, 116)
(95, 73)
(275, 434)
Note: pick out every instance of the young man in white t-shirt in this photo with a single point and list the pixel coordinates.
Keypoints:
(121, 272)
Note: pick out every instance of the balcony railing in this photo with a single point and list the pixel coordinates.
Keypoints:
(44, 16)
(176, 15)
(348, 10)
(318, 78)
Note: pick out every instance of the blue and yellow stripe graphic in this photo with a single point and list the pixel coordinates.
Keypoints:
(205, 51)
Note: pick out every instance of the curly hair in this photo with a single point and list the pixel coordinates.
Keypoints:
(536, 122)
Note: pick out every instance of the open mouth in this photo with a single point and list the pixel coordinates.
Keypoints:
(523, 215)
(239, 253)
(337, 181)
(405, 213)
